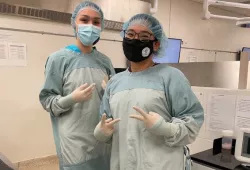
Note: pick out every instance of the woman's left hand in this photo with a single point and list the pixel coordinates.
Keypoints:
(104, 82)
(149, 119)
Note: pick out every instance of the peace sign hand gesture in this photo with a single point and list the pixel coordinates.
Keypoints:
(149, 119)
(105, 129)
(107, 125)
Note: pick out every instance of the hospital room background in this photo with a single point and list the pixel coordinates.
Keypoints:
(207, 49)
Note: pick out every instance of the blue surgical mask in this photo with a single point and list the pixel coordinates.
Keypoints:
(88, 34)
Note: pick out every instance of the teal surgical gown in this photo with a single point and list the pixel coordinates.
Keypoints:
(74, 124)
(160, 89)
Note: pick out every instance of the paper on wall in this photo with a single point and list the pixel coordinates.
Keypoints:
(11, 54)
(17, 54)
(5, 37)
(242, 118)
(192, 59)
(221, 112)
(3, 53)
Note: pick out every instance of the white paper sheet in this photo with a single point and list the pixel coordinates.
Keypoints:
(3, 53)
(5, 37)
(17, 54)
(192, 59)
(242, 119)
(221, 112)
(200, 97)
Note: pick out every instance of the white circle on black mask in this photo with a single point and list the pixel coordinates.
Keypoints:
(145, 52)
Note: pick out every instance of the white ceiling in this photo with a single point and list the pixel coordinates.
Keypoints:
(244, 12)
(238, 1)
(57, 5)
(64, 5)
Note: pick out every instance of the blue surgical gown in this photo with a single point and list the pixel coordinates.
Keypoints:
(73, 125)
(160, 89)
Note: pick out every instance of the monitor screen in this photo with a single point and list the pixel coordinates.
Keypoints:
(246, 145)
(118, 70)
(172, 53)
(245, 49)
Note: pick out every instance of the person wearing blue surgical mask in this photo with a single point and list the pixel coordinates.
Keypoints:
(72, 93)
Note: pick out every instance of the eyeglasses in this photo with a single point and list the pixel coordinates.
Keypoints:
(143, 36)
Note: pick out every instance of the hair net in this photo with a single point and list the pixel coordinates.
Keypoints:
(84, 5)
(153, 25)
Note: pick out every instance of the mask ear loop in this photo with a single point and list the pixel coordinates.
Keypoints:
(155, 40)
(76, 31)
(96, 41)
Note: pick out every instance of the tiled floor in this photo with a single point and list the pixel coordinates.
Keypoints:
(49, 163)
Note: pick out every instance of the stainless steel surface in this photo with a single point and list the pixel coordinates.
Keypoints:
(217, 74)
(243, 75)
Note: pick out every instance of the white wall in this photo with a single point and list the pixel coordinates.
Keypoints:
(182, 19)
(25, 131)
(211, 34)
(205, 138)
(24, 2)
(25, 128)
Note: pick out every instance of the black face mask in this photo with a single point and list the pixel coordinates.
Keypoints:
(136, 50)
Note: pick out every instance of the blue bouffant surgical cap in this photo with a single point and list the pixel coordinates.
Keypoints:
(84, 5)
(153, 25)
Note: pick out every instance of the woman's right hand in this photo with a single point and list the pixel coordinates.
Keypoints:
(106, 126)
(83, 93)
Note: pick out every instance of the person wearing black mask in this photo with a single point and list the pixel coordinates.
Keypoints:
(149, 112)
